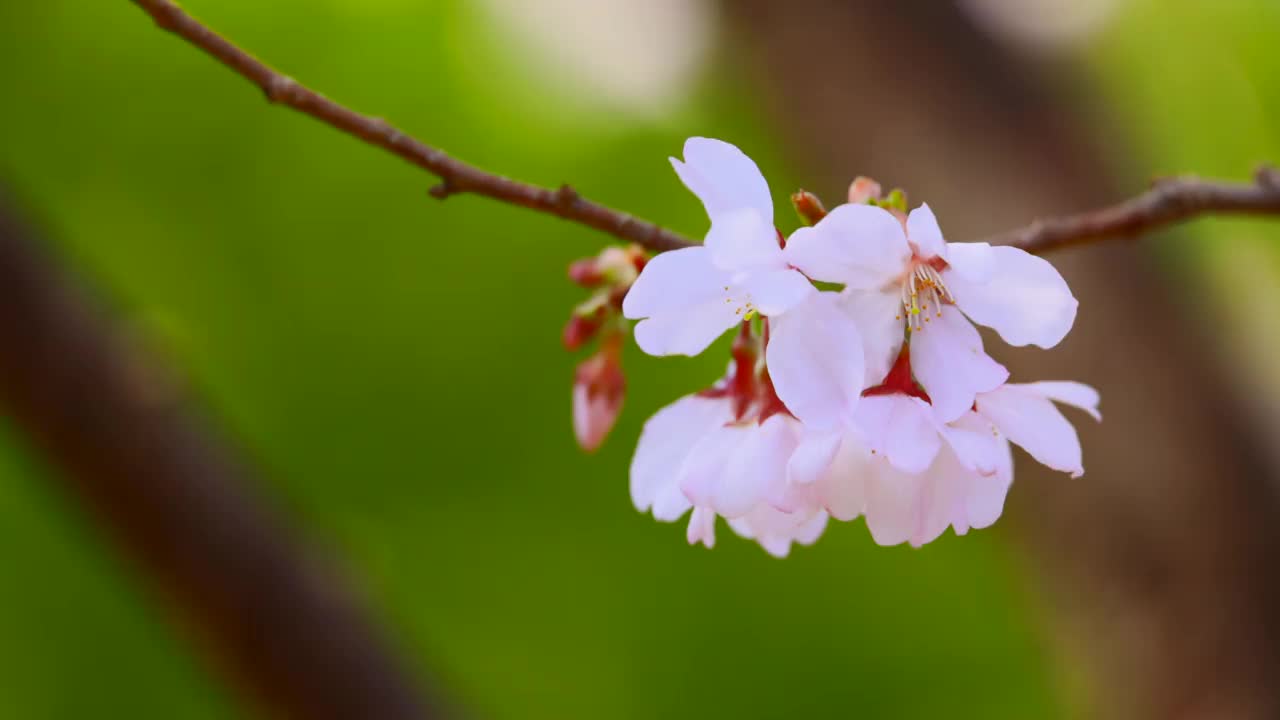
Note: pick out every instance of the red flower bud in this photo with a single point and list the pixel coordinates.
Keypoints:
(598, 390)
(581, 329)
(808, 206)
(586, 272)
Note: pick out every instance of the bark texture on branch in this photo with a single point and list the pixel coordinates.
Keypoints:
(456, 176)
(277, 620)
(1170, 201)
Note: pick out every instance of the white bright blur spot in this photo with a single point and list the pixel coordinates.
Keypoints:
(1042, 25)
(638, 57)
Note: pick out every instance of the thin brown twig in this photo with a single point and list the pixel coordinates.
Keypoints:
(1169, 201)
(456, 176)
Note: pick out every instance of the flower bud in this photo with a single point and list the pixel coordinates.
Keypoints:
(598, 390)
(616, 266)
(581, 328)
(808, 206)
(864, 190)
(585, 272)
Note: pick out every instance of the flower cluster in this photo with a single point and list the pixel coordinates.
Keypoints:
(875, 399)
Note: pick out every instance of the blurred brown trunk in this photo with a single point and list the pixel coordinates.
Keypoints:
(1159, 564)
(120, 439)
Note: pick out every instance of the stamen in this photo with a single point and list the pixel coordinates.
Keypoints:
(925, 283)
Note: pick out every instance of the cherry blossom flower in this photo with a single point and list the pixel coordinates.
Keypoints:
(695, 444)
(906, 276)
(725, 452)
(917, 508)
(687, 298)
(954, 491)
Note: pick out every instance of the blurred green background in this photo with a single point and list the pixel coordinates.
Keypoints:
(393, 366)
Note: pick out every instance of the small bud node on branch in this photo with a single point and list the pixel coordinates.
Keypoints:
(281, 88)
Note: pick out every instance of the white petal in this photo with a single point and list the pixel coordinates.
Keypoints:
(702, 527)
(923, 232)
(985, 498)
(815, 360)
(1017, 294)
(901, 429)
(878, 316)
(758, 468)
(813, 457)
(664, 444)
(1031, 421)
(723, 178)
(842, 490)
(687, 331)
(703, 472)
(774, 292)
(948, 360)
(861, 246)
(775, 531)
(893, 505)
(975, 442)
(937, 499)
(1077, 395)
(808, 533)
(742, 240)
(675, 280)
(731, 475)
(687, 300)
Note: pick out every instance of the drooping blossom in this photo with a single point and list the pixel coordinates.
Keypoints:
(952, 491)
(677, 450)
(687, 298)
(904, 276)
(724, 453)
(912, 475)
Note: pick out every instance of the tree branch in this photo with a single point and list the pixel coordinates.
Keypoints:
(456, 176)
(1169, 201)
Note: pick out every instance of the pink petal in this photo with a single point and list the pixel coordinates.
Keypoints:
(1032, 422)
(984, 500)
(776, 531)
(813, 457)
(842, 490)
(861, 246)
(901, 429)
(815, 360)
(893, 505)
(665, 443)
(878, 316)
(1077, 395)
(703, 471)
(702, 527)
(1017, 294)
(948, 360)
(923, 232)
(975, 442)
(759, 467)
(723, 178)
(774, 292)
(735, 469)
